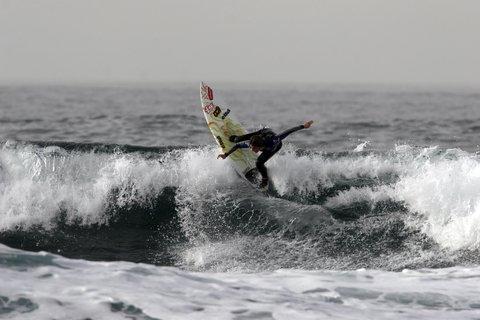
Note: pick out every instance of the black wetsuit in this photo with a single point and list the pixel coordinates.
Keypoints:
(272, 144)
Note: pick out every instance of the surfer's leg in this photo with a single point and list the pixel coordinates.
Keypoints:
(264, 157)
(261, 167)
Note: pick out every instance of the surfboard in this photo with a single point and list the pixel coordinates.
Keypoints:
(222, 123)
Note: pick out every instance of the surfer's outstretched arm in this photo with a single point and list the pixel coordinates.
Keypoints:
(285, 133)
(235, 147)
(245, 137)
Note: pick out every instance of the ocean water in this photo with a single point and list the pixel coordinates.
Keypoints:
(114, 206)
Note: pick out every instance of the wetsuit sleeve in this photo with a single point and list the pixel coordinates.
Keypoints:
(235, 147)
(247, 136)
(285, 133)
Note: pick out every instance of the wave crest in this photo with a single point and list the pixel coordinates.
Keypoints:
(338, 205)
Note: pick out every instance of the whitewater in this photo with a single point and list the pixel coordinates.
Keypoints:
(113, 212)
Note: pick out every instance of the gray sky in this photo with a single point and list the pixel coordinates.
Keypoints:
(321, 41)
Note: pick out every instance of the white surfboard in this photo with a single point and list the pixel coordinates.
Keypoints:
(223, 124)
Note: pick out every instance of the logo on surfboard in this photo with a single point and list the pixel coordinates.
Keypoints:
(207, 93)
(220, 142)
(225, 114)
(217, 111)
(209, 108)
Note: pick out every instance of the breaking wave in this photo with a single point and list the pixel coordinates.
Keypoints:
(407, 207)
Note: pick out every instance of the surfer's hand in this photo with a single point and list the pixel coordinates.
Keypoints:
(307, 124)
(223, 156)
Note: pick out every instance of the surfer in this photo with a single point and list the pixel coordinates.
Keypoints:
(266, 141)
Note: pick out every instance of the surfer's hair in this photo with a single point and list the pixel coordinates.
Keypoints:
(257, 141)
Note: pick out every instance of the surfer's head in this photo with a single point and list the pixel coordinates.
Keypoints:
(257, 143)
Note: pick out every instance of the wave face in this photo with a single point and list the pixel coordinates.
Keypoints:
(409, 207)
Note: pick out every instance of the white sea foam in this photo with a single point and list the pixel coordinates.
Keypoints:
(38, 183)
(439, 188)
(361, 146)
(39, 286)
(443, 191)
(367, 195)
(307, 173)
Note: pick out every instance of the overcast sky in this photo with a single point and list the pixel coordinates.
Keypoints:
(318, 41)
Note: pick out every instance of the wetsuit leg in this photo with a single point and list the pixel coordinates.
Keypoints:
(264, 158)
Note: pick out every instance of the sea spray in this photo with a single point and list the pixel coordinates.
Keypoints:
(441, 191)
(409, 206)
(40, 183)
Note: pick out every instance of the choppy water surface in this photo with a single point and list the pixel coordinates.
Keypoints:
(386, 180)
